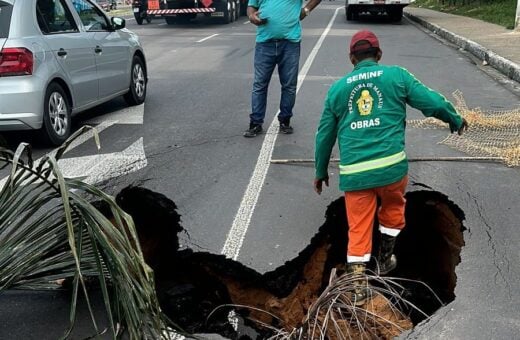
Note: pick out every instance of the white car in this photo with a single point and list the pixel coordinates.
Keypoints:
(61, 57)
(393, 8)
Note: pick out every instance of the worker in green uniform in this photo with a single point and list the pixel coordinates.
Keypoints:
(365, 111)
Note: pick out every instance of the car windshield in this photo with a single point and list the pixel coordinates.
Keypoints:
(6, 9)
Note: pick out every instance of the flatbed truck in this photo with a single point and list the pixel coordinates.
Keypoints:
(174, 11)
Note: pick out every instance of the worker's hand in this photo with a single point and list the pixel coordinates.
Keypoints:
(255, 20)
(463, 127)
(318, 184)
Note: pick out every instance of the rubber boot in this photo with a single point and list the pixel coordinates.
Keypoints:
(361, 290)
(387, 259)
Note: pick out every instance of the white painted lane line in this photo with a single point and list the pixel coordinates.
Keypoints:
(162, 24)
(204, 39)
(238, 230)
(247, 22)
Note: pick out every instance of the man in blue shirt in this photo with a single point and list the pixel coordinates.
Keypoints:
(278, 37)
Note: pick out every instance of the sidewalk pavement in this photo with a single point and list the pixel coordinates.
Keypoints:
(493, 44)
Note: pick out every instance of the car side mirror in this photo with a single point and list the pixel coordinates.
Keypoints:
(118, 23)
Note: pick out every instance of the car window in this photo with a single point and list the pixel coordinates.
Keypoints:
(54, 17)
(5, 18)
(91, 17)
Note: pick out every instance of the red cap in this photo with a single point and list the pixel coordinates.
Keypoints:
(369, 37)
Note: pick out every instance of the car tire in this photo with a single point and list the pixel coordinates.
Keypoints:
(148, 19)
(138, 82)
(56, 115)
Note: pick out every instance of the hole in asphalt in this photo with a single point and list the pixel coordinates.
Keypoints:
(201, 292)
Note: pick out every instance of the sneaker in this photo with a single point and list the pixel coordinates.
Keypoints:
(253, 131)
(286, 128)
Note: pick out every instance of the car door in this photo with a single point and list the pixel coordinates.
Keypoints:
(71, 48)
(112, 49)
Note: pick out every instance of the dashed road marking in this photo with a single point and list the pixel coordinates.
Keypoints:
(207, 38)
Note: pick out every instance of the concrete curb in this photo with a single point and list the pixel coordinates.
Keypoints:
(506, 66)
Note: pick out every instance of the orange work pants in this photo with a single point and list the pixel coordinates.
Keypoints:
(361, 209)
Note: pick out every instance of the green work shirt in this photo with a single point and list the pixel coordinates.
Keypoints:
(283, 19)
(366, 112)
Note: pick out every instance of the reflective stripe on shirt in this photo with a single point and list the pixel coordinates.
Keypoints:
(373, 164)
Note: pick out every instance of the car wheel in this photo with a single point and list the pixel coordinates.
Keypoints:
(137, 92)
(56, 115)
(148, 19)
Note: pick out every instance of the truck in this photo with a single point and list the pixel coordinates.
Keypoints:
(393, 8)
(174, 11)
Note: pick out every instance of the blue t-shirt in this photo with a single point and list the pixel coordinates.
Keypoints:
(283, 19)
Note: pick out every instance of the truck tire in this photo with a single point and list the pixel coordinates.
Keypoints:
(355, 13)
(225, 8)
(237, 9)
(349, 13)
(243, 8)
(232, 10)
(396, 14)
(170, 20)
(138, 18)
(56, 115)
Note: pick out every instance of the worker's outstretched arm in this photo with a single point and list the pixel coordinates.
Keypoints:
(431, 103)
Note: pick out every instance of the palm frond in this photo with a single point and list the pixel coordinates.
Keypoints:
(50, 232)
(334, 316)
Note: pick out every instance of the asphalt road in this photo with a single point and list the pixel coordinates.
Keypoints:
(197, 108)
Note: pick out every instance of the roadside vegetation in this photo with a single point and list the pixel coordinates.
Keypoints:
(500, 12)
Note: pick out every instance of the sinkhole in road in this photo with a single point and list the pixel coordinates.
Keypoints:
(203, 292)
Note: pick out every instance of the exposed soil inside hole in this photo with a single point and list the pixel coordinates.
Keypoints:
(193, 286)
